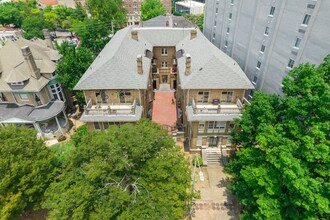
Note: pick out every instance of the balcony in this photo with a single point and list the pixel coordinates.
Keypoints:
(214, 111)
(110, 108)
(112, 112)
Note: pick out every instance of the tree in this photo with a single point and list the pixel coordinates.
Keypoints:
(26, 169)
(93, 34)
(196, 19)
(127, 172)
(10, 14)
(151, 9)
(14, 13)
(33, 25)
(75, 62)
(281, 170)
(107, 11)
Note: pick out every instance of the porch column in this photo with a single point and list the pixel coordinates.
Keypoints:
(37, 127)
(58, 125)
(66, 117)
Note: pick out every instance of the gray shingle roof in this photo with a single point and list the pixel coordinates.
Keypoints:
(13, 113)
(116, 66)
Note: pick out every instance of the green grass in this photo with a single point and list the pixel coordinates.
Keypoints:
(61, 150)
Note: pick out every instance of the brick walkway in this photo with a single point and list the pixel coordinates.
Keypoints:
(164, 108)
(216, 201)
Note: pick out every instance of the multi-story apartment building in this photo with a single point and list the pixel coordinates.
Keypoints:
(268, 38)
(30, 95)
(133, 8)
(208, 85)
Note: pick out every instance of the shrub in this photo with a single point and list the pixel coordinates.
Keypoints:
(197, 160)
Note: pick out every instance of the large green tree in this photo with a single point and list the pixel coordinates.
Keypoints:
(108, 11)
(33, 25)
(132, 171)
(151, 9)
(26, 169)
(93, 34)
(75, 61)
(281, 170)
(198, 20)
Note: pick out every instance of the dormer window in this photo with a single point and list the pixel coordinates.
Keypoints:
(17, 83)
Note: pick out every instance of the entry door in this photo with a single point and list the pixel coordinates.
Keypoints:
(164, 78)
(213, 141)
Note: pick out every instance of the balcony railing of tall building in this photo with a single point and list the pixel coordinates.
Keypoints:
(110, 108)
(217, 107)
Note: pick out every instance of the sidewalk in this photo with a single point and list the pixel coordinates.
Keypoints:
(216, 201)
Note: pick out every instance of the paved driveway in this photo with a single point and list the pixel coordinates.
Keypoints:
(216, 200)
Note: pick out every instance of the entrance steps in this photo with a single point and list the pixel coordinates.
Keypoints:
(213, 155)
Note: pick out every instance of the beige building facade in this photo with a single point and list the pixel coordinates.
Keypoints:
(208, 85)
(133, 8)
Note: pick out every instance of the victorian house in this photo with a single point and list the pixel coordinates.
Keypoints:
(30, 94)
(141, 65)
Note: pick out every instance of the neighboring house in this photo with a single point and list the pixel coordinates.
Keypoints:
(167, 21)
(30, 95)
(269, 38)
(133, 10)
(8, 34)
(208, 86)
(190, 7)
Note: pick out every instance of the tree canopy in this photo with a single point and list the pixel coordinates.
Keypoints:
(108, 11)
(26, 169)
(151, 9)
(281, 170)
(75, 61)
(33, 25)
(196, 19)
(132, 171)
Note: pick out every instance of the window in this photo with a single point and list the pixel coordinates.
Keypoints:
(228, 30)
(17, 84)
(213, 35)
(272, 11)
(258, 64)
(216, 126)
(291, 63)
(255, 79)
(226, 96)
(164, 51)
(231, 124)
(216, 10)
(125, 96)
(230, 16)
(101, 97)
(232, 2)
(251, 93)
(226, 43)
(306, 19)
(24, 97)
(298, 41)
(201, 127)
(203, 96)
(164, 64)
(56, 91)
(267, 31)
(215, 23)
(262, 49)
(97, 126)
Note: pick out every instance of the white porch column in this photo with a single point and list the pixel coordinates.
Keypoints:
(37, 127)
(65, 117)
(58, 125)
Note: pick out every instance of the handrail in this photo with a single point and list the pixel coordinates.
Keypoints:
(111, 108)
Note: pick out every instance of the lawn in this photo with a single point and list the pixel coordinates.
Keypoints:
(61, 150)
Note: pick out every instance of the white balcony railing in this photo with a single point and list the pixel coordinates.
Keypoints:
(110, 108)
(221, 108)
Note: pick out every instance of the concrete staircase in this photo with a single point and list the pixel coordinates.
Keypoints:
(213, 155)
